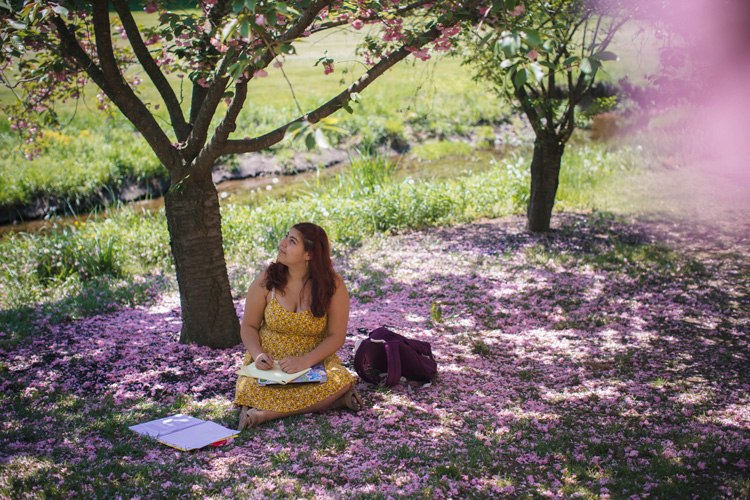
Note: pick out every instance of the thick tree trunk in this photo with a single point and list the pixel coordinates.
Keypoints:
(194, 221)
(545, 173)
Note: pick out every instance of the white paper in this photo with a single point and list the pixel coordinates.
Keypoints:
(184, 432)
(276, 373)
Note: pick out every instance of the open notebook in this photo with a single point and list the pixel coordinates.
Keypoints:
(278, 376)
(184, 432)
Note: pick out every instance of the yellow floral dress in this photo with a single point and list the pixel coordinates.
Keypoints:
(284, 334)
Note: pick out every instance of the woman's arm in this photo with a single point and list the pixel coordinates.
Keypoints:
(338, 319)
(255, 304)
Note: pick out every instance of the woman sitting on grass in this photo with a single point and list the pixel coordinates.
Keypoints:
(296, 313)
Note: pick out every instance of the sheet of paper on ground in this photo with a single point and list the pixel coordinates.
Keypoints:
(184, 432)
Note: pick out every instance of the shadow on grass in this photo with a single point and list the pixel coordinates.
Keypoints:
(575, 362)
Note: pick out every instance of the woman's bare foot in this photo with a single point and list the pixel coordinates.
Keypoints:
(352, 400)
(250, 417)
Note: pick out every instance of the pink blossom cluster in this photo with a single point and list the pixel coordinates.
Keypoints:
(393, 31)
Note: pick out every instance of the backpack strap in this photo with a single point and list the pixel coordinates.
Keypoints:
(392, 351)
(359, 361)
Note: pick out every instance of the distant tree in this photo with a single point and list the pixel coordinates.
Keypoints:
(544, 56)
(54, 48)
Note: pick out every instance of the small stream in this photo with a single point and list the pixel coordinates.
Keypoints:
(250, 190)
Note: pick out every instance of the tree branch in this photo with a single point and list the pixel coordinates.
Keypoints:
(212, 98)
(69, 45)
(530, 110)
(295, 31)
(211, 152)
(333, 105)
(152, 70)
(210, 102)
(110, 81)
(199, 93)
(574, 96)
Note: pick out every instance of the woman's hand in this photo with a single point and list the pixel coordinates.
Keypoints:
(293, 364)
(264, 361)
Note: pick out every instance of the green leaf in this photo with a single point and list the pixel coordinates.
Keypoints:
(511, 4)
(228, 29)
(347, 107)
(284, 10)
(508, 80)
(236, 69)
(507, 63)
(295, 127)
(604, 55)
(321, 140)
(586, 66)
(533, 37)
(519, 80)
(537, 73)
(549, 45)
(497, 48)
(60, 10)
(18, 42)
(567, 62)
(485, 38)
(511, 44)
(310, 141)
(17, 25)
(546, 64)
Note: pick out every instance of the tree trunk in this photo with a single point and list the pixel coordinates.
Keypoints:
(545, 172)
(194, 222)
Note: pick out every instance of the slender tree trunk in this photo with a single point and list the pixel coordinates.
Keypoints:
(545, 173)
(194, 220)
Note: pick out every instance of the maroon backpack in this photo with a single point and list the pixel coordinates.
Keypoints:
(387, 352)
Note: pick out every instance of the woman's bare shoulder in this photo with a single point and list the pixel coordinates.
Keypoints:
(338, 280)
(258, 286)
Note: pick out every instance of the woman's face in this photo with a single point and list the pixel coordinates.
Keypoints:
(292, 249)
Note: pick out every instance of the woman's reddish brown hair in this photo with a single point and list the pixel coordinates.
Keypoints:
(322, 277)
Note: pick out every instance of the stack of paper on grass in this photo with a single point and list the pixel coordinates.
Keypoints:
(184, 432)
(276, 373)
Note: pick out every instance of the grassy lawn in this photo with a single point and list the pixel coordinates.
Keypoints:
(591, 363)
(594, 362)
